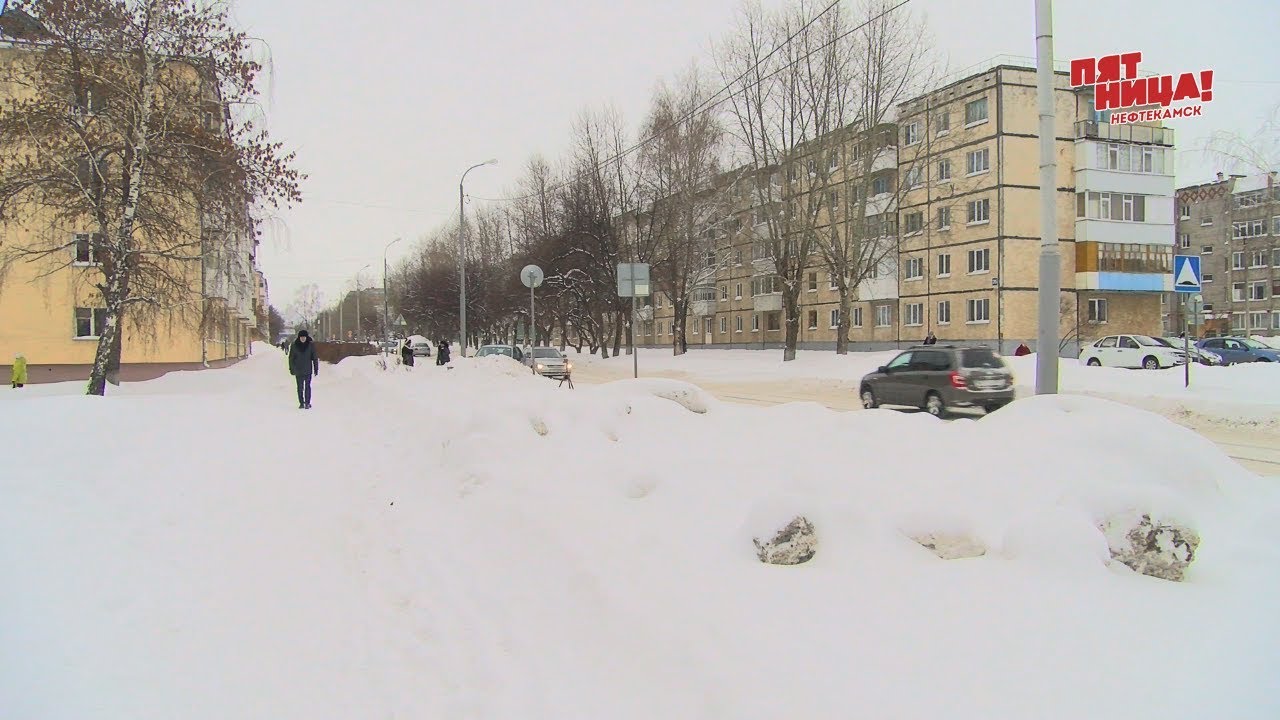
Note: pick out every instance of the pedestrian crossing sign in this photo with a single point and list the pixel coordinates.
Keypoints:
(1186, 273)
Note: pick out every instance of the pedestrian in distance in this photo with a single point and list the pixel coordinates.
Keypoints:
(18, 375)
(406, 353)
(1022, 350)
(303, 364)
(931, 339)
(442, 353)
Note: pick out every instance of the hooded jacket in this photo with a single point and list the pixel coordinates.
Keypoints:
(18, 375)
(302, 358)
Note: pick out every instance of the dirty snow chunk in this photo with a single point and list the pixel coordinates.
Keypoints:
(691, 397)
(794, 544)
(539, 426)
(951, 547)
(1152, 548)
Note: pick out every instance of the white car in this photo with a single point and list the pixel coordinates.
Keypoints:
(1131, 351)
(548, 361)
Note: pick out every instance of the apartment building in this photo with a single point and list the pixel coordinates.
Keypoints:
(956, 182)
(51, 309)
(1233, 225)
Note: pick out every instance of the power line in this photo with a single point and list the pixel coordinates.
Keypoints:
(712, 102)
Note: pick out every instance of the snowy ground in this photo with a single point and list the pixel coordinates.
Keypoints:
(1239, 395)
(478, 543)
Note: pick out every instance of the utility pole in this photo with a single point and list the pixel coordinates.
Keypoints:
(462, 260)
(358, 323)
(386, 293)
(1050, 256)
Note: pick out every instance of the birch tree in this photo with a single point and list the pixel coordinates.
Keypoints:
(121, 126)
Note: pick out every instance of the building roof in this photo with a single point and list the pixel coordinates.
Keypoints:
(1250, 183)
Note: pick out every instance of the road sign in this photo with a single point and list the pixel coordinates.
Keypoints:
(400, 321)
(531, 276)
(1186, 273)
(633, 279)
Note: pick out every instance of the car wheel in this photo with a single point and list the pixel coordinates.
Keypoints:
(934, 405)
(869, 399)
(1264, 359)
(1094, 362)
(992, 407)
(1150, 362)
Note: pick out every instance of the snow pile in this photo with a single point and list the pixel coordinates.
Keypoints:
(482, 543)
(1271, 342)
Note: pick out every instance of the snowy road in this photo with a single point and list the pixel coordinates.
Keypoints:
(1255, 449)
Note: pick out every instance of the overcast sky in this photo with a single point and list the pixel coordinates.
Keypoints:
(388, 101)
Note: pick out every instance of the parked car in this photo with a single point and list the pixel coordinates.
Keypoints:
(936, 378)
(1239, 350)
(1203, 357)
(549, 362)
(421, 346)
(509, 350)
(1132, 351)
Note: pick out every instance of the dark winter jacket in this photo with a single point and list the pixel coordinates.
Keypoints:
(302, 358)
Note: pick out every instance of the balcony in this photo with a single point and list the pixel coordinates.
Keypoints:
(1144, 134)
(702, 302)
(767, 303)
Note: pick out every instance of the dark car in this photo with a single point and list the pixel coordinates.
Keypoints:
(938, 377)
(1239, 350)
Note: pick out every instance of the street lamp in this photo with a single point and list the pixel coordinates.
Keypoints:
(386, 324)
(462, 261)
(366, 267)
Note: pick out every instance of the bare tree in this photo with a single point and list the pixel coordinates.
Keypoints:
(119, 137)
(307, 304)
(1257, 154)
(687, 200)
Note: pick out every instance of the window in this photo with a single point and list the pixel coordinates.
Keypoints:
(1275, 257)
(979, 211)
(660, 326)
(1237, 260)
(944, 218)
(913, 223)
(978, 161)
(724, 325)
(90, 322)
(914, 314)
(86, 248)
(1206, 249)
(944, 312)
(737, 257)
(1184, 241)
(1184, 212)
(884, 316)
(1257, 291)
(979, 261)
(738, 291)
(1237, 321)
(833, 197)
(944, 265)
(1275, 226)
(942, 123)
(1097, 310)
(915, 268)
(1275, 320)
(944, 171)
(671, 329)
(1206, 220)
(833, 160)
(914, 177)
(724, 293)
(766, 285)
(1111, 206)
(975, 112)
(813, 319)
(1237, 292)
(1131, 158)
(1206, 278)
(979, 310)
(1258, 259)
(657, 302)
(856, 321)
(831, 282)
(1258, 320)
(813, 282)
(755, 323)
(812, 167)
(880, 186)
(1248, 229)
(911, 133)
(835, 318)
(737, 324)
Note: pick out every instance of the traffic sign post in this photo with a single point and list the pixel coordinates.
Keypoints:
(633, 282)
(532, 277)
(1187, 280)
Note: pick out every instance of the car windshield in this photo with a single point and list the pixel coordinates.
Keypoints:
(980, 358)
(1253, 344)
(546, 353)
(1165, 342)
(1148, 341)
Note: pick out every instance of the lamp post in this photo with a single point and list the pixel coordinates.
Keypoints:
(462, 261)
(1050, 255)
(366, 267)
(386, 323)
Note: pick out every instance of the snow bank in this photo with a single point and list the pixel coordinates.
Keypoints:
(483, 543)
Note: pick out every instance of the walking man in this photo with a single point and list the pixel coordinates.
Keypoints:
(303, 363)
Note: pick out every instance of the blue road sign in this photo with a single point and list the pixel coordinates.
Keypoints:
(1186, 273)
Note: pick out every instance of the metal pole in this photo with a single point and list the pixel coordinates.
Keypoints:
(1050, 257)
(386, 293)
(635, 358)
(358, 307)
(462, 261)
(532, 334)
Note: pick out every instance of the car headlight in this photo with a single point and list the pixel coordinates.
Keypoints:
(540, 367)
(568, 366)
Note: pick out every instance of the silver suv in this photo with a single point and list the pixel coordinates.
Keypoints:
(938, 377)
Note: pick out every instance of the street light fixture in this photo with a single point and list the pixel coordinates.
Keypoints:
(386, 324)
(462, 261)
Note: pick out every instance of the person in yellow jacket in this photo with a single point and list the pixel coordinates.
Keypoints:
(18, 376)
